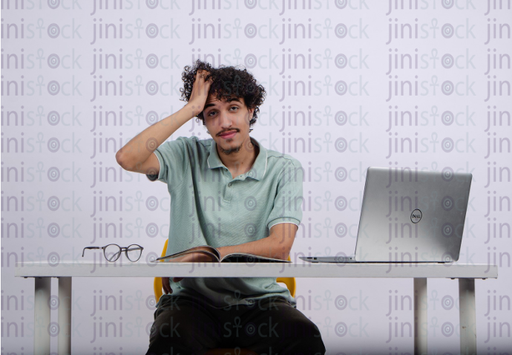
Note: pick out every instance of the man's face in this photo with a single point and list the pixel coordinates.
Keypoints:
(228, 122)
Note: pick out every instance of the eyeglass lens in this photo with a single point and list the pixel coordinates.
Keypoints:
(133, 252)
(112, 252)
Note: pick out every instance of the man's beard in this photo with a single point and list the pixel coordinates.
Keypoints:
(231, 150)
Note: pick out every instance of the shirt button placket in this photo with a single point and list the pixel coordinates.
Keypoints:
(229, 191)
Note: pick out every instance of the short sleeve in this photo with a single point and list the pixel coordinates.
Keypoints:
(289, 198)
(171, 157)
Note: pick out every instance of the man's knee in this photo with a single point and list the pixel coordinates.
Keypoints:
(169, 335)
(303, 334)
(168, 329)
(191, 333)
(299, 328)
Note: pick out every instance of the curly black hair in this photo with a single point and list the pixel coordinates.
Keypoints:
(227, 82)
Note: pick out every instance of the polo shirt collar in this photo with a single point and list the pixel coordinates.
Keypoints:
(258, 170)
(214, 161)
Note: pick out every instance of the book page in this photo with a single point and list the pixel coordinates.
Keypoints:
(205, 249)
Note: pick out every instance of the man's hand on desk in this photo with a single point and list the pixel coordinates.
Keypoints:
(187, 258)
(277, 245)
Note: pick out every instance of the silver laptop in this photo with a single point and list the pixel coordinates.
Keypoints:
(409, 216)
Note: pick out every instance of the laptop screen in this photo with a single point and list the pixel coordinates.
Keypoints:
(412, 216)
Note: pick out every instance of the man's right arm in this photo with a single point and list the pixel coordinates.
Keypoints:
(137, 155)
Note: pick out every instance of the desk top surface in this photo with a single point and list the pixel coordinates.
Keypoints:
(316, 270)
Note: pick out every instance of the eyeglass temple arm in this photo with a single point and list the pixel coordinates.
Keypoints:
(83, 251)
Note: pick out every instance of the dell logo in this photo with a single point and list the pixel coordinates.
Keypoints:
(416, 216)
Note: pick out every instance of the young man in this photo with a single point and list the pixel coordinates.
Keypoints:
(231, 193)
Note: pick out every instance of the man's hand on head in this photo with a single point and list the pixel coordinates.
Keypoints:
(199, 92)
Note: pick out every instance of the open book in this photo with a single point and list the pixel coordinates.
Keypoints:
(233, 257)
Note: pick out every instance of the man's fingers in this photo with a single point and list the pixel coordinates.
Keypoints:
(165, 285)
(201, 74)
(200, 90)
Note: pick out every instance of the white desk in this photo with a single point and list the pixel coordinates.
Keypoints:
(65, 271)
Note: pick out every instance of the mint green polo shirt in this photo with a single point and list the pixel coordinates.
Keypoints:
(209, 206)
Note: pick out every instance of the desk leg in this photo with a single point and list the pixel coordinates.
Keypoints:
(420, 317)
(64, 316)
(467, 316)
(42, 315)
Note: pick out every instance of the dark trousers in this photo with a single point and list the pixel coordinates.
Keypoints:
(270, 326)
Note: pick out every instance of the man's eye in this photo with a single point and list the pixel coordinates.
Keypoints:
(234, 108)
(211, 113)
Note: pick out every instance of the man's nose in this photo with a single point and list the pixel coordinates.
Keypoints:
(225, 119)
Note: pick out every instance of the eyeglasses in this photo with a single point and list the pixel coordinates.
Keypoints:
(112, 252)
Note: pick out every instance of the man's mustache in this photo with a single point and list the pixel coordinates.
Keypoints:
(227, 130)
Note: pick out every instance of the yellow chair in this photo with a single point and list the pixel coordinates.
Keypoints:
(288, 281)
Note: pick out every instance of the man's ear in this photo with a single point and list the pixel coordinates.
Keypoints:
(250, 113)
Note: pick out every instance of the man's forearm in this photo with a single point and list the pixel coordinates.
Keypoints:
(138, 149)
(277, 245)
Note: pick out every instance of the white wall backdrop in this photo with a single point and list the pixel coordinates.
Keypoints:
(419, 84)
